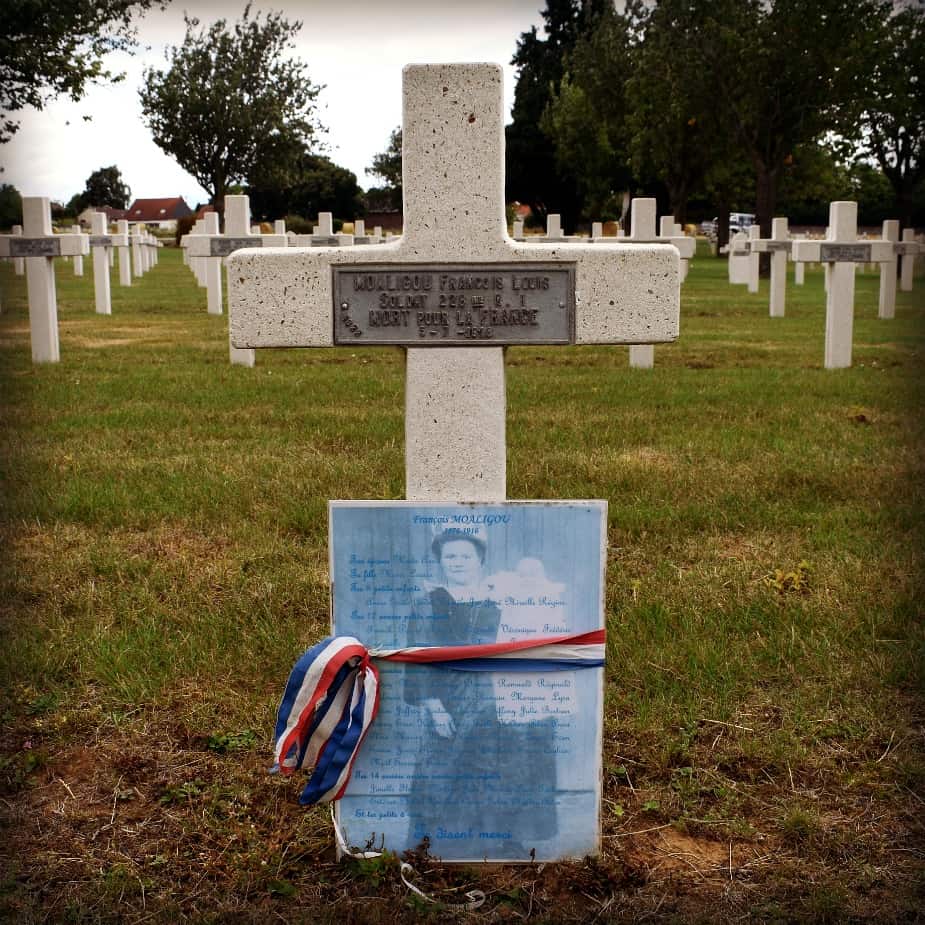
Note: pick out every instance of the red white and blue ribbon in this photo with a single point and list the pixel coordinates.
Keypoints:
(332, 695)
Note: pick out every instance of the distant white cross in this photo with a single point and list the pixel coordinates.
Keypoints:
(909, 249)
(39, 246)
(778, 246)
(101, 243)
(841, 251)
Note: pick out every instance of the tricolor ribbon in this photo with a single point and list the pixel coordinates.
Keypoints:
(332, 695)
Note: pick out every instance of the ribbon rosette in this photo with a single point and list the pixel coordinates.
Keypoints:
(332, 695)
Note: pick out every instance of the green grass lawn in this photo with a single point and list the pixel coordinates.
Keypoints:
(163, 521)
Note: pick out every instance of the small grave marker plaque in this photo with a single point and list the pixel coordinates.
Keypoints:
(34, 247)
(455, 304)
(100, 240)
(845, 253)
(222, 247)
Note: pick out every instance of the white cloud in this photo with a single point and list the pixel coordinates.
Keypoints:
(356, 48)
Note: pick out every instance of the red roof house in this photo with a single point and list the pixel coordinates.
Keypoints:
(158, 213)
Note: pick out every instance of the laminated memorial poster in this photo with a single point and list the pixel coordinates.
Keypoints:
(491, 762)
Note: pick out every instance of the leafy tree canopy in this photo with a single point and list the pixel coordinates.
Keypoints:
(50, 48)
(10, 206)
(319, 185)
(893, 118)
(230, 107)
(585, 119)
(387, 165)
(533, 174)
(105, 187)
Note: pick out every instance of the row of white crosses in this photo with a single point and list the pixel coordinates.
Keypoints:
(453, 180)
(840, 251)
(33, 246)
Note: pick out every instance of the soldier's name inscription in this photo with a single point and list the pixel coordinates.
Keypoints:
(844, 253)
(454, 304)
(100, 240)
(222, 247)
(34, 247)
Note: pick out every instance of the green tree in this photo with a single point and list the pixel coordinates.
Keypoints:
(230, 107)
(585, 119)
(319, 185)
(10, 206)
(533, 174)
(387, 165)
(785, 74)
(105, 187)
(674, 135)
(50, 48)
(893, 119)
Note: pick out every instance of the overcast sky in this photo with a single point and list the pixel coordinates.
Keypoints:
(356, 48)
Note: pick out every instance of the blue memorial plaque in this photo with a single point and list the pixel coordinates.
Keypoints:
(478, 765)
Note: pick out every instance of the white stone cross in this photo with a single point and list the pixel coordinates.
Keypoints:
(738, 265)
(196, 264)
(19, 264)
(213, 247)
(323, 234)
(77, 259)
(669, 230)
(841, 251)
(135, 238)
(101, 243)
(886, 307)
(517, 231)
(125, 264)
(279, 226)
(909, 249)
(39, 246)
(453, 180)
(799, 269)
(778, 246)
(754, 261)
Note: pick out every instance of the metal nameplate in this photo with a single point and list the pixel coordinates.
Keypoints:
(325, 241)
(461, 304)
(772, 246)
(34, 247)
(100, 240)
(844, 253)
(222, 247)
(906, 249)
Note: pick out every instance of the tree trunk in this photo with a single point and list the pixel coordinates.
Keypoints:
(765, 204)
(722, 227)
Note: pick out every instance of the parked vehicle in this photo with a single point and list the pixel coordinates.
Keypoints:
(738, 221)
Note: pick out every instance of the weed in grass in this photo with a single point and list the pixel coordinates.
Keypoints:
(231, 741)
(799, 827)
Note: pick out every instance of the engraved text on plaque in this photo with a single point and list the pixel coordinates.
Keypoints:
(454, 304)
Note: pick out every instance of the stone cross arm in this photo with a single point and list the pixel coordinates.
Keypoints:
(54, 245)
(908, 248)
(840, 252)
(624, 293)
(109, 240)
(219, 245)
(768, 246)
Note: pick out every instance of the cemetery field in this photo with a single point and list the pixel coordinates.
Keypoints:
(164, 527)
